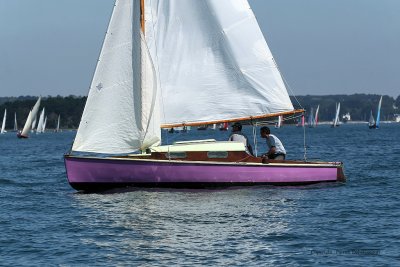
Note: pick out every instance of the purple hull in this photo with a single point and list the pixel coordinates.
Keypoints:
(98, 173)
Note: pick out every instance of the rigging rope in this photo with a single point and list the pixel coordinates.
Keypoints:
(298, 102)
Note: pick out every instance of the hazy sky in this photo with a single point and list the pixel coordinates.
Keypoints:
(50, 47)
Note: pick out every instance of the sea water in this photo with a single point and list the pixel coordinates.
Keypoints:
(44, 221)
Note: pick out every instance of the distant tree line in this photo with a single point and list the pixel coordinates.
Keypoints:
(359, 106)
(71, 107)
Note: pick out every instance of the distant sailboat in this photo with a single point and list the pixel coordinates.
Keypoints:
(44, 125)
(15, 122)
(336, 119)
(3, 126)
(313, 118)
(375, 125)
(58, 125)
(371, 121)
(29, 120)
(279, 123)
(316, 117)
(224, 126)
(41, 122)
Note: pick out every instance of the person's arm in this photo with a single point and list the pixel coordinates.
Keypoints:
(271, 151)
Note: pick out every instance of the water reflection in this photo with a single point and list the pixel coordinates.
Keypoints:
(214, 227)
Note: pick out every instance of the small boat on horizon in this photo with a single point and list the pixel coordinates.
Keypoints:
(372, 124)
(3, 125)
(29, 120)
(336, 120)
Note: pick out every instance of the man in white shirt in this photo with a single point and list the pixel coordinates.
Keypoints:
(238, 136)
(276, 149)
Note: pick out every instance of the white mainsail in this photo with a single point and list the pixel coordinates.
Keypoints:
(31, 116)
(210, 50)
(121, 112)
(3, 126)
(39, 128)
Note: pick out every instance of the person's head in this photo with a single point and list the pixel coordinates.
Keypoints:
(237, 126)
(265, 131)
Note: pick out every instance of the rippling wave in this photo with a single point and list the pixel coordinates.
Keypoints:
(45, 222)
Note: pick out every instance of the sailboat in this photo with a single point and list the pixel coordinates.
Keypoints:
(3, 126)
(44, 125)
(336, 121)
(371, 121)
(28, 124)
(372, 124)
(162, 64)
(57, 130)
(40, 125)
(316, 117)
(15, 122)
(279, 123)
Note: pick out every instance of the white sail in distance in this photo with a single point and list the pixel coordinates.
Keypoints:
(44, 124)
(121, 112)
(39, 128)
(316, 116)
(15, 122)
(58, 124)
(3, 125)
(336, 122)
(212, 50)
(31, 116)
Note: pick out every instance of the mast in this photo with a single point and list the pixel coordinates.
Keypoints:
(142, 15)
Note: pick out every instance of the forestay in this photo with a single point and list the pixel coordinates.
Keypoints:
(120, 115)
(213, 61)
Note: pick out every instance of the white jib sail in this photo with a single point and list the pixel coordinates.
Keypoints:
(113, 118)
(39, 128)
(31, 116)
(3, 126)
(211, 50)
